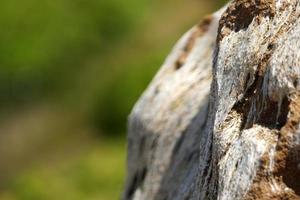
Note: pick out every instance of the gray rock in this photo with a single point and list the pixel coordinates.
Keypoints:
(221, 118)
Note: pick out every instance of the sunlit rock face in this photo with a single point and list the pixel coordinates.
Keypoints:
(221, 118)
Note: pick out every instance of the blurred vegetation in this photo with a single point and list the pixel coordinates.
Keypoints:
(96, 174)
(70, 72)
(43, 40)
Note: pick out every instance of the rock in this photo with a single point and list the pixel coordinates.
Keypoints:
(221, 118)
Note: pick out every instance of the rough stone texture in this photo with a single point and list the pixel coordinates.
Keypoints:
(221, 118)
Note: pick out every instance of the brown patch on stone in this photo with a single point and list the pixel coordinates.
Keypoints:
(240, 14)
(286, 172)
(199, 31)
(288, 149)
(267, 186)
(262, 190)
(291, 173)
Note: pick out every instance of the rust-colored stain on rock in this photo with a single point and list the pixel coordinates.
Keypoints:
(240, 14)
(200, 29)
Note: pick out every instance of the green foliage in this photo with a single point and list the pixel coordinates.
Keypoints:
(97, 174)
(77, 54)
(41, 42)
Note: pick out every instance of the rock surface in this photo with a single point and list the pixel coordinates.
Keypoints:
(221, 118)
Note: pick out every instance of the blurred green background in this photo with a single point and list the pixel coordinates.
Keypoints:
(70, 72)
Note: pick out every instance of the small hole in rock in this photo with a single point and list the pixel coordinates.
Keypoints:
(271, 46)
(179, 63)
(295, 83)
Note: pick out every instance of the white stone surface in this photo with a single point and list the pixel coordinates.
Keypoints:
(224, 124)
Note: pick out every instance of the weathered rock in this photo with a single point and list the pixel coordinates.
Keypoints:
(221, 118)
